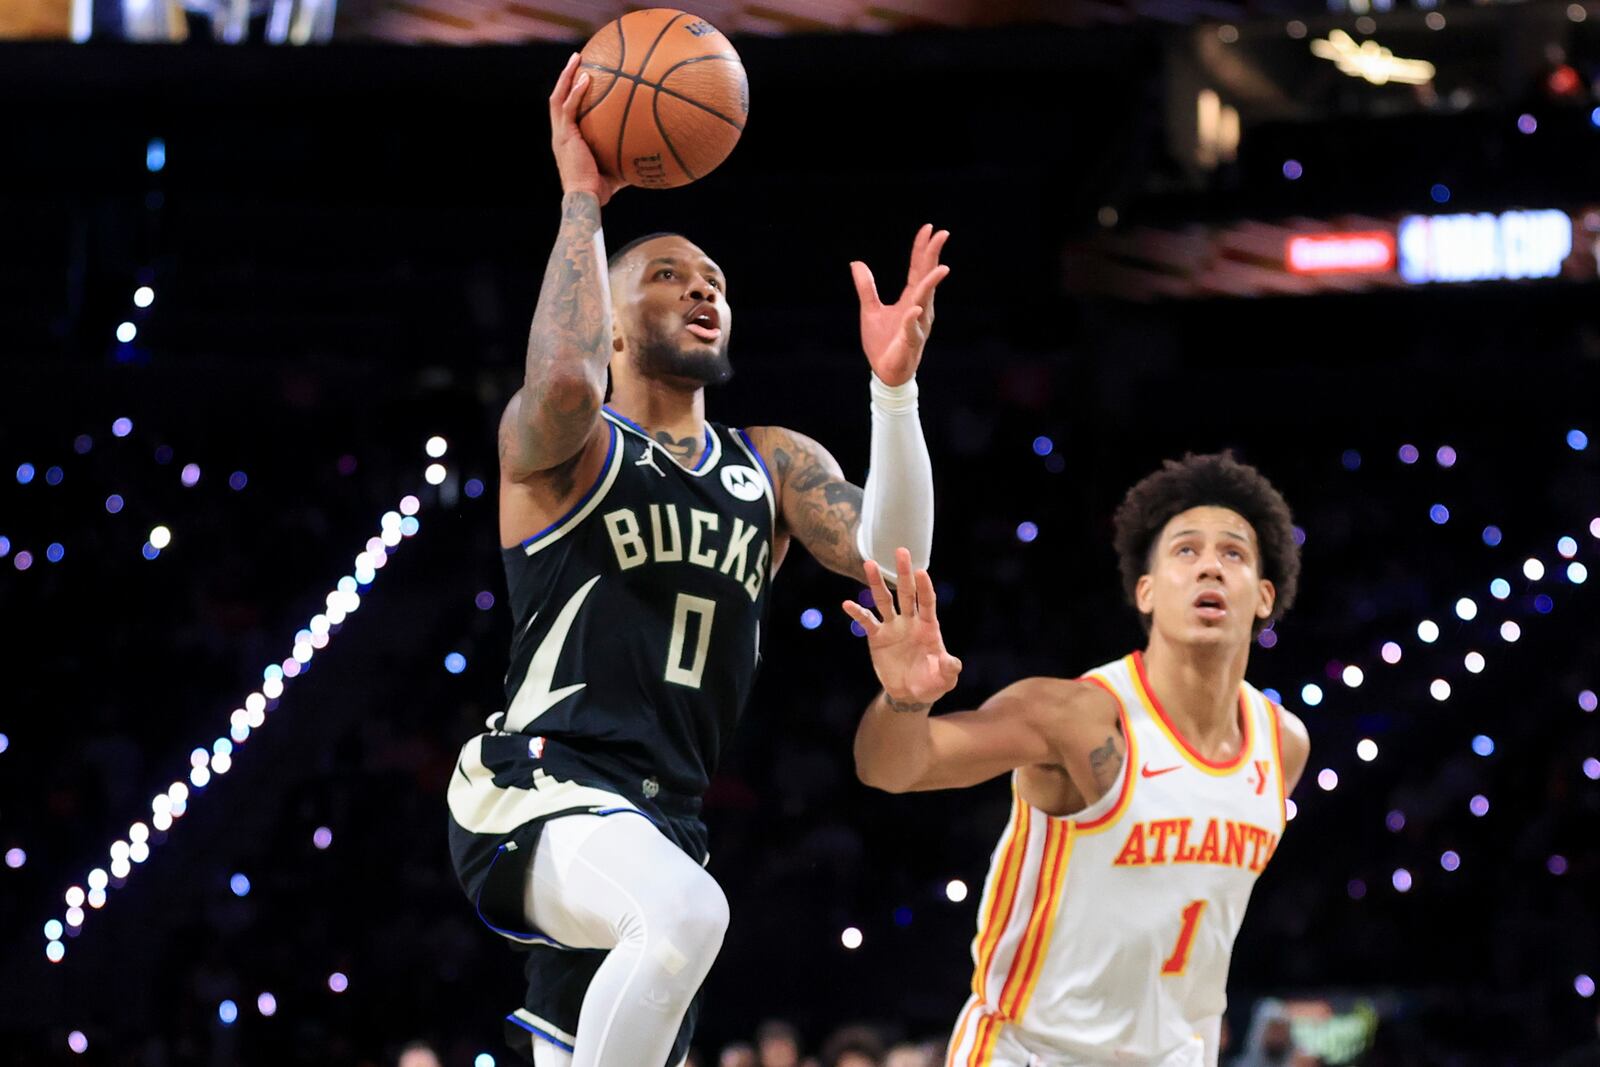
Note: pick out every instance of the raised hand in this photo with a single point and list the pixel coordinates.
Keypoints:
(907, 650)
(574, 158)
(892, 335)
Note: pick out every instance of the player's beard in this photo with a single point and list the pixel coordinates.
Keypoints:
(662, 357)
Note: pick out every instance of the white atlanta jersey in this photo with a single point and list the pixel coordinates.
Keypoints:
(1104, 937)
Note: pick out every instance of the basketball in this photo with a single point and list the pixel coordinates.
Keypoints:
(667, 98)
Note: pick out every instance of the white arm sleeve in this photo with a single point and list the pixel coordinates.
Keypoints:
(897, 502)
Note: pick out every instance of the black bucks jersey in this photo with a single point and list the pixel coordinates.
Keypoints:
(638, 613)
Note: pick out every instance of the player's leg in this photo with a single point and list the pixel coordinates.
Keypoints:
(617, 883)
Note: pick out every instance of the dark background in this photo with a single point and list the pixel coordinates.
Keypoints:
(346, 245)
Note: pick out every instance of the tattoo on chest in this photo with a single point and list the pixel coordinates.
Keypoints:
(1105, 763)
(680, 449)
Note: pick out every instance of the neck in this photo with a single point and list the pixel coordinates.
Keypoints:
(1198, 687)
(673, 412)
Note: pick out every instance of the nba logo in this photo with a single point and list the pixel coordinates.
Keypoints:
(536, 747)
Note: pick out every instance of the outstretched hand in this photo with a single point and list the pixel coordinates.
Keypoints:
(892, 335)
(907, 649)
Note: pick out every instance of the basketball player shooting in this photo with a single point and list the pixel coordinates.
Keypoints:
(639, 541)
(1147, 795)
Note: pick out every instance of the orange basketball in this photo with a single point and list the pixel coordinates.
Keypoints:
(667, 98)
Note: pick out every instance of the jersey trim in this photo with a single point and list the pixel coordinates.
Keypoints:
(1002, 895)
(1033, 947)
(1274, 712)
(1129, 767)
(580, 511)
(708, 457)
(538, 1027)
(1141, 683)
(741, 439)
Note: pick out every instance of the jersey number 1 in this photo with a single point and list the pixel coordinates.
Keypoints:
(703, 610)
(1178, 962)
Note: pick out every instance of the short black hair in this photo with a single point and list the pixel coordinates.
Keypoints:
(622, 253)
(1211, 480)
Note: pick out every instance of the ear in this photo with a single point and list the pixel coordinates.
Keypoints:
(1144, 595)
(1269, 598)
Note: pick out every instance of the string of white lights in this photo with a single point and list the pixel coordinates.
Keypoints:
(207, 762)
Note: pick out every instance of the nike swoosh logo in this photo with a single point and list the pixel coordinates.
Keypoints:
(1156, 773)
(536, 696)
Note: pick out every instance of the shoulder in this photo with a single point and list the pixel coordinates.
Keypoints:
(1061, 707)
(789, 452)
(1295, 741)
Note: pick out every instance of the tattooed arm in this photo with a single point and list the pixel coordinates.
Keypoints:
(556, 411)
(816, 505)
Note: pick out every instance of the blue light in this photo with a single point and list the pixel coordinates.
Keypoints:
(1577, 440)
(155, 155)
(5, 743)
(222, 747)
(455, 663)
(122, 427)
(811, 618)
(1491, 535)
(473, 488)
(1594, 116)
(1408, 454)
(54, 475)
(25, 474)
(1483, 745)
(1499, 588)
(409, 526)
(240, 885)
(902, 916)
(228, 1012)
(1292, 169)
(483, 1060)
(1043, 446)
(1543, 604)
(484, 600)
(1311, 695)
(1027, 532)
(272, 673)
(113, 503)
(150, 551)
(1351, 460)
(1440, 193)
(857, 629)
(82, 443)
(55, 552)
(238, 480)
(1439, 514)
(5, 547)
(1272, 695)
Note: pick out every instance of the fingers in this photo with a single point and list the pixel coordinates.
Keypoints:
(563, 88)
(912, 324)
(864, 618)
(925, 252)
(880, 589)
(919, 251)
(907, 587)
(866, 287)
(925, 597)
(922, 293)
(580, 86)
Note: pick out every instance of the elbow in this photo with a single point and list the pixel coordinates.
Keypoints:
(880, 774)
(563, 388)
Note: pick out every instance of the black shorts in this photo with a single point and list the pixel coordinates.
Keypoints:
(504, 789)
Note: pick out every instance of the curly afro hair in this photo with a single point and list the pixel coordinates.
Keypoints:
(1212, 480)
